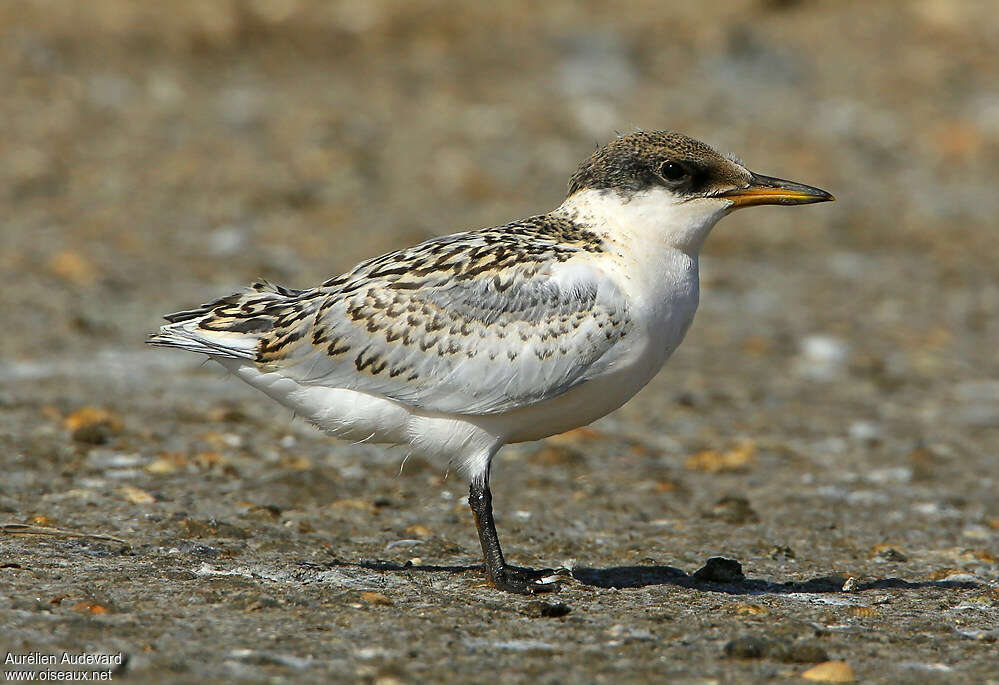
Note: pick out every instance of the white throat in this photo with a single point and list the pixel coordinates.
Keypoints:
(649, 218)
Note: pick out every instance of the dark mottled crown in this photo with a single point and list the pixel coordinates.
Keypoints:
(633, 162)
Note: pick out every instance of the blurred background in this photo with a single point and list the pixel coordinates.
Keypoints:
(834, 410)
(155, 154)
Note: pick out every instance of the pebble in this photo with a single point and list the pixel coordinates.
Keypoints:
(405, 542)
(375, 599)
(745, 609)
(830, 672)
(867, 432)
(733, 509)
(89, 416)
(712, 461)
(782, 552)
(762, 647)
(804, 652)
(136, 495)
(623, 632)
(90, 607)
(74, 268)
(748, 647)
(888, 553)
(720, 570)
(104, 459)
(92, 434)
(822, 357)
(538, 609)
(418, 531)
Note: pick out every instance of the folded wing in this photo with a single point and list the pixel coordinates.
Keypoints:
(453, 325)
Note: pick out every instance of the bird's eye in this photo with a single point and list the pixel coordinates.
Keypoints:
(671, 171)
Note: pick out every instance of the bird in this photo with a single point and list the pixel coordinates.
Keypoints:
(466, 342)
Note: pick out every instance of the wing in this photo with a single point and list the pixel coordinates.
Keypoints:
(473, 323)
(462, 325)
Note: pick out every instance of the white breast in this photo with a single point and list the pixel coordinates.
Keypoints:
(663, 296)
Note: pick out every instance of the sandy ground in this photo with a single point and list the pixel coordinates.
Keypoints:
(831, 421)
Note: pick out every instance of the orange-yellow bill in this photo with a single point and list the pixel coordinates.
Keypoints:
(767, 190)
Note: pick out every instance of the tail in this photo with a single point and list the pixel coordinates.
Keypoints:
(230, 327)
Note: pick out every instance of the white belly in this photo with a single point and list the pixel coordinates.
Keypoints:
(363, 417)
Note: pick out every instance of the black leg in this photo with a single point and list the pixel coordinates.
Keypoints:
(523, 581)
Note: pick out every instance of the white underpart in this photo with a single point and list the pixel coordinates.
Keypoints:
(653, 240)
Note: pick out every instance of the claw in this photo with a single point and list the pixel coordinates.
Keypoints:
(526, 581)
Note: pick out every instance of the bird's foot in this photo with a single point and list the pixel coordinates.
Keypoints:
(526, 581)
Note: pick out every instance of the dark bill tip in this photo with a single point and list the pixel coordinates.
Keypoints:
(767, 190)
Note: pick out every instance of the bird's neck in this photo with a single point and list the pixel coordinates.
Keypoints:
(647, 220)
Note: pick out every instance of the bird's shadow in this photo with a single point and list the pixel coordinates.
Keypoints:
(630, 577)
(622, 577)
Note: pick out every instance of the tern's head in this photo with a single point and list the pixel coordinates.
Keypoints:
(675, 185)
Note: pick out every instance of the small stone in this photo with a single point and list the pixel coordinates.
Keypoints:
(781, 552)
(830, 672)
(221, 441)
(251, 601)
(85, 416)
(850, 585)
(863, 612)
(822, 358)
(737, 459)
(376, 599)
(733, 509)
(136, 495)
(73, 267)
(264, 512)
(748, 647)
(418, 531)
(546, 609)
(352, 503)
(888, 553)
(296, 462)
(92, 434)
(90, 607)
(804, 652)
(388, 680)
(92, 425)
(166, 463)
(868, 432)
(720, 570)
(744, 609)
